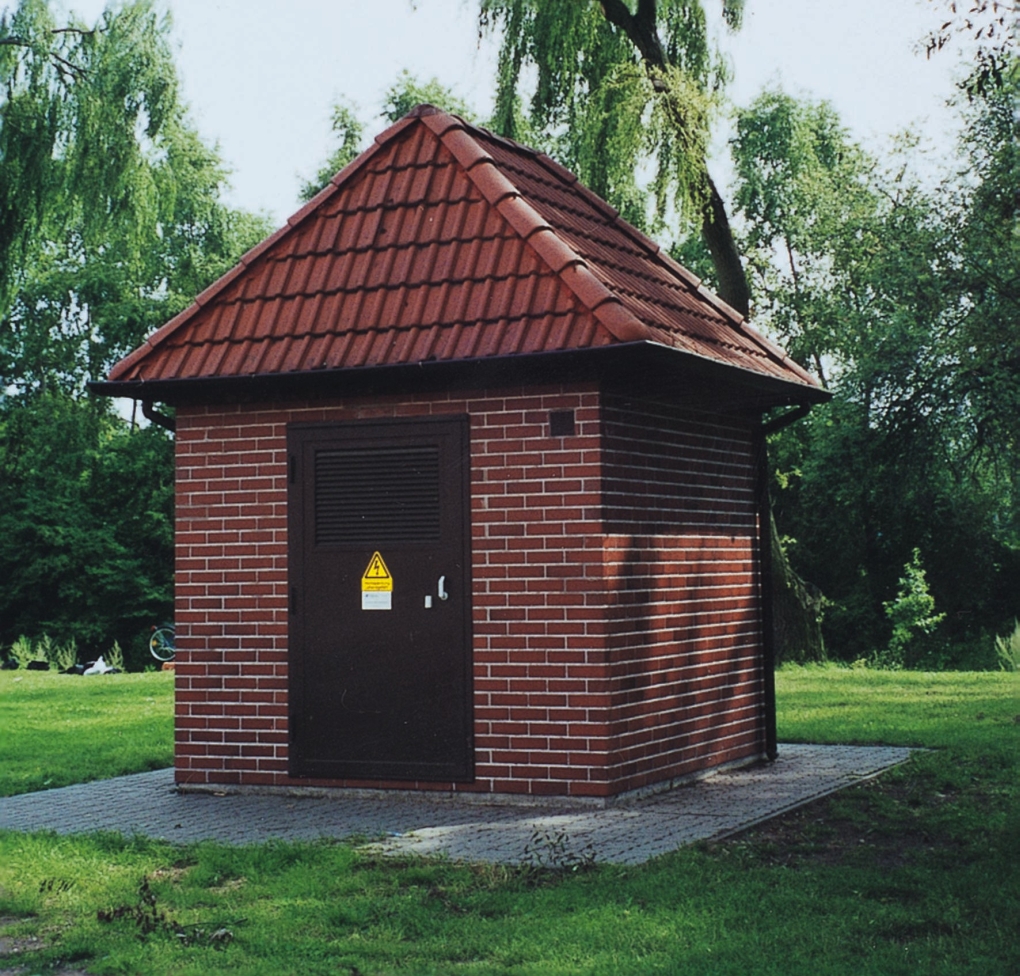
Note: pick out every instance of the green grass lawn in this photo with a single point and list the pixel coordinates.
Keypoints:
(943, 710)
(917, 872)
(57, 729)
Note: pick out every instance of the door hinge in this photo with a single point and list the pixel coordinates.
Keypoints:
(293, 599)
(292, 463)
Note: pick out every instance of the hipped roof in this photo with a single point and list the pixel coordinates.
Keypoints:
(445, 243)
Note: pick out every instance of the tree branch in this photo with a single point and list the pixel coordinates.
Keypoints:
(640, 28)
(63, 64)
(60, 63)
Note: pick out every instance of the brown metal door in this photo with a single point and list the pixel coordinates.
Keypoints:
(380, 669)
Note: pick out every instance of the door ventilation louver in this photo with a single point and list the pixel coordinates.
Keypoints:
(375, 496)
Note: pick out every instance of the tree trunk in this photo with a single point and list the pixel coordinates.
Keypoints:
(729, 269)
(796, 609)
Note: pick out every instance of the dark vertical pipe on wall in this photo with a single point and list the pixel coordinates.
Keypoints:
(765, 570)
(768, 638)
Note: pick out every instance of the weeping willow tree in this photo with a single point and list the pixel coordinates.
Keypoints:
(110, 212)
(614, 90)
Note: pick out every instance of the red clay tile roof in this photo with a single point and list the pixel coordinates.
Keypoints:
(443, 242)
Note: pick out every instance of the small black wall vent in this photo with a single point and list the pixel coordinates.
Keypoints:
(561, 423)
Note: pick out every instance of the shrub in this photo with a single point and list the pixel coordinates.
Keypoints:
(1008, 649)
(45, 651)
(22, 651)
(115, 657)
(66, 655)
(912, 612)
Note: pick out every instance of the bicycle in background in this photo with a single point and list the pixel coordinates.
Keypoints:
(161, 643)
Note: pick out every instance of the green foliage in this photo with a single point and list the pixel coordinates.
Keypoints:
(110, 220)
(65, 655)
(802, 187)
(115, 656)
(875, 282)
(22, 651)
(77, 106)
(350, 133)
(987, 271)
(912, 612)
(1007, 649)
(407, 92)
(613, 96)
(86, 525)
(44, 649)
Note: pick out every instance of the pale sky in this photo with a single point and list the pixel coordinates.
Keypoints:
(261, 76)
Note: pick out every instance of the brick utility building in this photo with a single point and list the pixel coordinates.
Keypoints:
(469, 491)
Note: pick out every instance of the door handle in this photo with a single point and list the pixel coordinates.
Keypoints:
(441, 589)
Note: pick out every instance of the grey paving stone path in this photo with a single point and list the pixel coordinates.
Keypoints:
(628, 832)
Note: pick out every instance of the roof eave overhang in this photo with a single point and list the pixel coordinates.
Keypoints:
(642, 361)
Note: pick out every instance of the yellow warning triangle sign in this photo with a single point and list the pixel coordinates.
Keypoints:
(377, 568)
(377, 575)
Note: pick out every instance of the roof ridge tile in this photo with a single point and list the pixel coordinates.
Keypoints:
(557, 169)
(439, 123)
(388, 134)
(564, 261)
(479, 165)
(464, 146)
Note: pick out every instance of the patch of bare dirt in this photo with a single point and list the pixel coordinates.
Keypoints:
(13, 946)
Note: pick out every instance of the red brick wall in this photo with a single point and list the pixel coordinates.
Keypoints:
(535, 516)
(682, 570)
(584, 643)
(540, 666)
